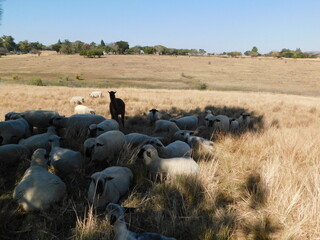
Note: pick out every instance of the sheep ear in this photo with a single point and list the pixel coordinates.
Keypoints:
(159, 145)
(191, 133)
(99, 144)
(140, 154)
(100, 129)
(109, 178)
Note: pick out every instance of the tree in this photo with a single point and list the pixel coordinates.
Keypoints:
(102, 44)
(254, 49)
(24, 46)
(202, 52)
(57, 46)
(122, 46)
(77, 46)
(8, 42)
(66, 47)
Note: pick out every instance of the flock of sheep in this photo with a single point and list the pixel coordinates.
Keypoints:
(45, 137)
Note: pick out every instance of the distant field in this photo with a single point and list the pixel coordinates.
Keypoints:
(293, 76)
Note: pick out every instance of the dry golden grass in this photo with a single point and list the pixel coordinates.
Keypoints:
(294, 76)
(261, 184)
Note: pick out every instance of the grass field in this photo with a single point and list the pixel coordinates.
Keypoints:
(261, 184)
(293, 76)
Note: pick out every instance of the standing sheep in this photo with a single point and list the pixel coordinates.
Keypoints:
(39, 189)
(109, 185)
(77, 100)
(244, 120)
(115, 214)
(96, 94)
(81, 109)
(116, 107)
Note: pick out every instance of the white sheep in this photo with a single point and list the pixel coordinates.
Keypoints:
(102, 127)
(138, 139)
(153, 116)
(39, 141)
(36, 118)
(186, 123)
(164, 166)
(219, 122)
(12, 154)
(64, 160)
(108, 146)
(76, 126)
(77, 100)
(234, 125)
(166, 126)
(109, 185)
(115, 215)
(39, 189)
(199, 143)
(81, 109)
(12, 131)
(88, 146)
(96, 94)
(180, 135)
(39, 118)
(175, 149)
(208, 117)
(244, 120)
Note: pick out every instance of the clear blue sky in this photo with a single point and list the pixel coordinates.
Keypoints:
(214, 25)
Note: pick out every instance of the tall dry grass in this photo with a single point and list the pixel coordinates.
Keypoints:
(260, 184)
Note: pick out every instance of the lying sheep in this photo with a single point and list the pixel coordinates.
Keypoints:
(39, 141)
(81, 109)
(12, 131)
(64, 160)
(108, 146)
(244, 120)
(115, 215)
(219, 123)
(39, 189)
(88, 146)
(167, 166)
(234, 125)
(175, 149)
(96, 94)
(180, 135)
(186, 123)
(138, 139)
(77, 100)
(12, 154)
(109, 185)
(153, 116)
(166, 126)
(208, 117)
(102, 127)
(36, 118)
(196, 142)
(76, 126)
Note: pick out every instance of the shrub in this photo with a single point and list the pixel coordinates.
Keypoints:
(78, 76)
(15, 77)
(91, 53)
(36, 81)
(203, 86)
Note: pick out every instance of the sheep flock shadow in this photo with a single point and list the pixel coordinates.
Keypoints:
(177, 207)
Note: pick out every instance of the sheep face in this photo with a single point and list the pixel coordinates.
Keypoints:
(39, 158)
(98, 190)
(148, 153)
(114, 213)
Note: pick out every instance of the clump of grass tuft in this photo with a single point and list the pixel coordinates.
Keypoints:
(15, 77)
(36, 82)
(78, 76)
